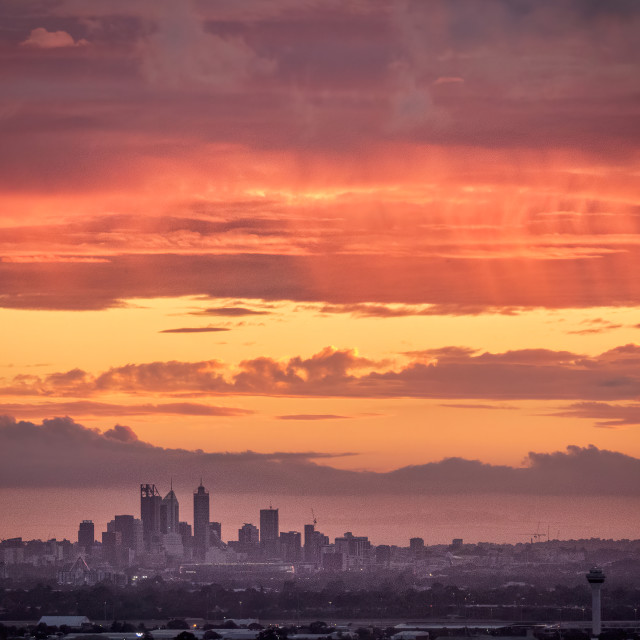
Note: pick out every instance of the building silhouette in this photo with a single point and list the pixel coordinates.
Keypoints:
(130, 530)
(200, 522)
(290, 546)
(215, 533)
(269, 532)
(313, 543)
(86, 535)
(249, 534)
(595, 578)
(170, 513)
(416, 545)
(150, 502)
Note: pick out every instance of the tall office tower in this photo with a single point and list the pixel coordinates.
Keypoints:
(269, 532)
(290, 547)
(86, 535)
(313, 542)
(138, 535)
(112, 547)
(309, 549)
(150, 502)
(169, 513)
(130, 529)
(200, 522)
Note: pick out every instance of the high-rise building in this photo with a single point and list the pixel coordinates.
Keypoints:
(249, 534)
(86, 535)
(111, 547)
(169, 513)
(355, 549)
(200, 521)
(290, 546)
(269, 532)
(313, 543)
(131, 531)
(248, 541)
(150, 502)
(311, 554)
(184, 529)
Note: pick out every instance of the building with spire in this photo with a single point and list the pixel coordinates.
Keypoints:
(170, 513)
(200, 522)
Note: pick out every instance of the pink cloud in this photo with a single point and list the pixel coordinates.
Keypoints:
(604, 415)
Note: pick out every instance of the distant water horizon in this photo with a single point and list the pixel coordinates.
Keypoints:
(499, 518)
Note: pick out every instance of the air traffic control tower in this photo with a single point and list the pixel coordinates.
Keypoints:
(595, 578)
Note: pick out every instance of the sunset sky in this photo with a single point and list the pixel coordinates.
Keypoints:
(376, 258)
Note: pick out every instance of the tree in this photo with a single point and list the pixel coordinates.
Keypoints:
(229, 624)
(177, 623)
(318, 627)
(272, 633)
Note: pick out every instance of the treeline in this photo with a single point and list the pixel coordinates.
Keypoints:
(157, 600)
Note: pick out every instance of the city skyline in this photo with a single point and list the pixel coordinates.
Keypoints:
(391, 524)
(372, 259)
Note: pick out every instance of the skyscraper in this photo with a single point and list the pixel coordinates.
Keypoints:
(290, 546)
(313, 543)
(200, 521)
(131, 530)
(86, 535)
(169, 513)
(150, 502)
(269, 532)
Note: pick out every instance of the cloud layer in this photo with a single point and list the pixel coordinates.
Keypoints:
(449, 372)
(62, 453)
(487, 159)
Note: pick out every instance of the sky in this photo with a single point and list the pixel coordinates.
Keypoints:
(375, 259)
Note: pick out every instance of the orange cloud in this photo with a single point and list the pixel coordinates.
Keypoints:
(88, 408)
(451, 372)
(40, 38)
